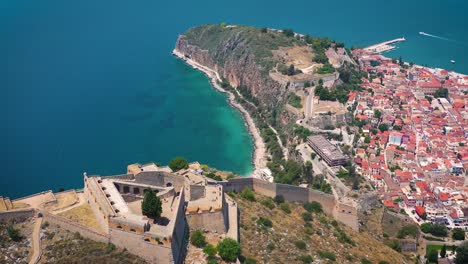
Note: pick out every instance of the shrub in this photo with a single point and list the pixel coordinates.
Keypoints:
(458, 234)
(313, 207)
(307, 216)
(178, 164)
(14, 234)
(383, 262)
(248, 194)
(432, 256)
(229, 249)
(110, 247)
(394, 244)
(306, 259)
(265, 222)
(300, 244)
(270, 246)
(268, 203)
(408, 230)
(327, 254)
(198, 239)
(434, 229)
(212, 261)
(210, 250)
(279, 199)
(285, 208)
(365, 261)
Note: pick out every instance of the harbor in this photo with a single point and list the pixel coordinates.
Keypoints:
(384, 46)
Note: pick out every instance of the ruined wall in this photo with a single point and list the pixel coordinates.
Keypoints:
(19, 215)
(136, 244)
(75, 227)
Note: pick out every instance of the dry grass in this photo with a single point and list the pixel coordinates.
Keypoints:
(19, 205)
(300, 56)
(276, 245)
(64, 200)
(84, 215)
(329, 106)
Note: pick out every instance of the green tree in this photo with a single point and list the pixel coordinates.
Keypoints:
(151, 205)
(291, 70)
(441, 93)
(265, 222)
(383, 127)
(443, 251)
(432, 256)
(178, 164)
(377, 114)
(229, 249)
(462, 254)
(458, 234)
(210, 250)
(198, 239)
(285, 207)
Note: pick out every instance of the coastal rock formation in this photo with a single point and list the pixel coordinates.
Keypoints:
(242, 55)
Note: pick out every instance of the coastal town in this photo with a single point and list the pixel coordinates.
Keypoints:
(412, 122)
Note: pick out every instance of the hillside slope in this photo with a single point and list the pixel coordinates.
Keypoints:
(324, 238)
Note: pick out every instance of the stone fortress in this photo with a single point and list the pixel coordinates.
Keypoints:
(188, 200)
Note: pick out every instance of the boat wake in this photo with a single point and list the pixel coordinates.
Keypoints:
(434, 36)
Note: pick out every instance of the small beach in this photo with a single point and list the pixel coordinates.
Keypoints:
(259, 154)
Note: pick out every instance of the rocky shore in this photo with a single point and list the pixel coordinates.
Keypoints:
(259, 156)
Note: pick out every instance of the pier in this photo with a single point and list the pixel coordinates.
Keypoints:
(384, 46)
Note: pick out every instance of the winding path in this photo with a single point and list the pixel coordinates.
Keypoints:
(36, 239)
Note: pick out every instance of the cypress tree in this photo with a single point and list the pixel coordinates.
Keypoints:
(151, 205)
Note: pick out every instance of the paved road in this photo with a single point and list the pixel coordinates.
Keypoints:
(36, 239)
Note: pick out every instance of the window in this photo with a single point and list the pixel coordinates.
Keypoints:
(119, 227)
(133, 230)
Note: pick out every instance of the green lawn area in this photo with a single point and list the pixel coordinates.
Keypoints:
(433, 247)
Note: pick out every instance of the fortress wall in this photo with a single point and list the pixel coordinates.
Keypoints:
(18, 215)
(213, 222)
(293, 193)
(264, 187)
(135, 244)
(121, 177)
(347, 215)
(343, 213)
(237, 184)
(92, 201)
(326, 200)
(160, 178)
(225, 211)
(180, 232)
(75, 227)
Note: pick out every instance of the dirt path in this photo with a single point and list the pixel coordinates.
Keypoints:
(36, 240)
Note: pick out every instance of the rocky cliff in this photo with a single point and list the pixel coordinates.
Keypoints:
(242, 55)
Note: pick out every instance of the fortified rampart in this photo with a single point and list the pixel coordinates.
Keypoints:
(341, 212)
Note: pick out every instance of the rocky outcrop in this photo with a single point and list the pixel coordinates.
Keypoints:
(233, 58)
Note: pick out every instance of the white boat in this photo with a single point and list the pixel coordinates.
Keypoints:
(452, 61)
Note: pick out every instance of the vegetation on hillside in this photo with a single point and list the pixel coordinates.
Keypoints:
(302, 235)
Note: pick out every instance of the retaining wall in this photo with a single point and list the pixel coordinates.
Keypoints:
(75, 227)
(135, 244)
(20, 215)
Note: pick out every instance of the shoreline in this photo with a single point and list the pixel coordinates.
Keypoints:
(259, 153)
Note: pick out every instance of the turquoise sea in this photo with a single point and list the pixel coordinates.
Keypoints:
(91, 85)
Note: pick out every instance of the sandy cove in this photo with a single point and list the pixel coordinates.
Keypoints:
(259, 155)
